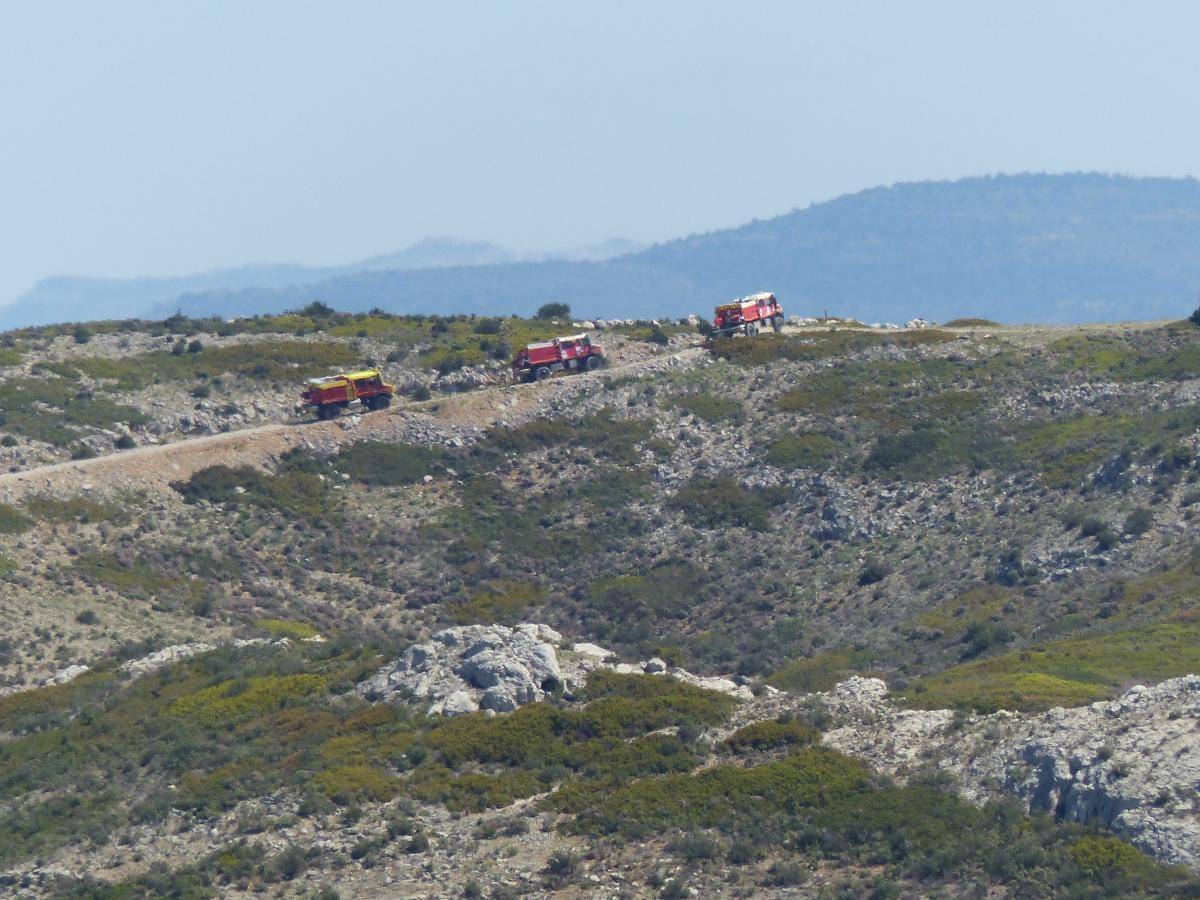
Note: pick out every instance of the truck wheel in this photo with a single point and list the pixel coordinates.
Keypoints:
(383, 401)
(594, 362)
(326, 411)
(751, 329)
(541, 373)
(777, 323)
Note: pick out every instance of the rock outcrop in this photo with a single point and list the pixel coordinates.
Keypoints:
(474, 667)
(493, 667)
(1130, 764)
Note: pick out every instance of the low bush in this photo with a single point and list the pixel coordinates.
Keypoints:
(707, 407)
(971, 322)
(554, 311)
(1138, 522)
(232, 701)
(386, 465)
(294, 492)
(723, 501)
(801, 451)
(350, 784)
(873, 571)
(1064, 673)
(771, 735)
(13, 521)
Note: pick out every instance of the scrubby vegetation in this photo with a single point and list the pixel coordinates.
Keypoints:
(983, 521)
(1065, 673)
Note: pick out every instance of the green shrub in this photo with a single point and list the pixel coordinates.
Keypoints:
(1139, 521)
(873, 571)
(472, 792)
(350, 784)
(1106, 539)
(292, 491)
(233, 701)
(801, 451)
(662, 592)
(387, 465)
(1064, 673)
(554, 311)
(723, 501)
(984, 636)
(12, 520)
(726, 797)
(971, 322)
(708, 407)
(298, 631)
(289, 362)
(771, 735)
(770, 348)
(820, 672)
(487, 325)
(1110, 858)
(618, 707)
(501, 602)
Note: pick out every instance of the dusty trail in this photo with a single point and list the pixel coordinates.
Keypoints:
(155, 467)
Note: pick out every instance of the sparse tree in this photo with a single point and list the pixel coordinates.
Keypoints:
(554, 311)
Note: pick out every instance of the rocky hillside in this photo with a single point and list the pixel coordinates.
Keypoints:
(839, 612)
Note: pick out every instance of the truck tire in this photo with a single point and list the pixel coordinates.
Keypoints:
(777, 323)
(383, 401)
(751, 329)
(594, 363)
(327, 411)
(541, 373)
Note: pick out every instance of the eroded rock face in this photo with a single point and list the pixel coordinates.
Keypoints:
(1130, 764)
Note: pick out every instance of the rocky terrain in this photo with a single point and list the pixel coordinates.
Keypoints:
(1131, 764)
(845, 611)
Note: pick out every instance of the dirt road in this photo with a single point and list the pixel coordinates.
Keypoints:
(155, 467)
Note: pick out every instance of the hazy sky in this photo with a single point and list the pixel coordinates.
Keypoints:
(166, 137)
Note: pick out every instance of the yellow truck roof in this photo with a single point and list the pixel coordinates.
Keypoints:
(347, 376)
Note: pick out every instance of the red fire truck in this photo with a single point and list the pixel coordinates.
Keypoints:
(573, 353)
(329, 396)
(748, 316)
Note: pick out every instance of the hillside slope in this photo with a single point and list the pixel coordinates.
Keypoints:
(648, 607)
(1051, 248)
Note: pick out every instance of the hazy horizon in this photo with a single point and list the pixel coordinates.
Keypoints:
(153, 140)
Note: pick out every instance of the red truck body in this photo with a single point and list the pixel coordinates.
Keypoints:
(748, 316)
(329, 396)
(573, 353)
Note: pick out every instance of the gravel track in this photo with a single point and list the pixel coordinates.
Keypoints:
(153, 468)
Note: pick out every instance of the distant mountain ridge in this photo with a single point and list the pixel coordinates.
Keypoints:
(1049, 248)
(74, 298)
